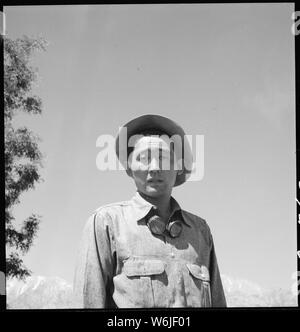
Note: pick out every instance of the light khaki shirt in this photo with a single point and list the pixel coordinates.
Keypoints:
(122, 264)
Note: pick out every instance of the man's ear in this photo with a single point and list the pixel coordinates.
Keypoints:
(129, 171)
(129, 161)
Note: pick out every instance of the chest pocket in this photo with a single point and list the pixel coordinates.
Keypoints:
(142, 268)
(200, 295)
(142, 275)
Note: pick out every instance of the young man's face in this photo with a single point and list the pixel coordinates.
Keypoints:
(152, 165)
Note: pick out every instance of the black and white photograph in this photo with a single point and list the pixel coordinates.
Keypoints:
(150, 156)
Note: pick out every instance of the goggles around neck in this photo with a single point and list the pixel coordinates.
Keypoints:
(158, 227)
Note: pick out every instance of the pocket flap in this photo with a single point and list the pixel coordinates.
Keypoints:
(199, 272)
(143, 267)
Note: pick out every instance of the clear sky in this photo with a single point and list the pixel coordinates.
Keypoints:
(225, 71)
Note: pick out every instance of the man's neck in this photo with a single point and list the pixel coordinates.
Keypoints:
(162, 203)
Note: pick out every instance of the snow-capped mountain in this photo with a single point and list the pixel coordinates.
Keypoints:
(39, 293)
(55, 293)
(233, 285)
(244, 293)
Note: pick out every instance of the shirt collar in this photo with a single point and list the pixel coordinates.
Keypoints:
(143, 207)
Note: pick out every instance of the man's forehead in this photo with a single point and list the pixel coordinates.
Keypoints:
(153, 142)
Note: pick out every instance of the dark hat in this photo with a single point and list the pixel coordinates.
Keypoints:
(160, 123)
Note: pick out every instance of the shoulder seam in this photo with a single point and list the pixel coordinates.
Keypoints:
(194, 215)
(100, 208)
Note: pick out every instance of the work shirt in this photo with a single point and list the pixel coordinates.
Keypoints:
(122, 264)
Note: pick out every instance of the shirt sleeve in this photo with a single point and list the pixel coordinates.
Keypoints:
(217, 292)
(95, 265)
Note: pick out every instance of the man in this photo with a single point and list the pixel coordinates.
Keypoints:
(148, 252)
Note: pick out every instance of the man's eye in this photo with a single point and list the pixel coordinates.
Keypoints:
(142, 158)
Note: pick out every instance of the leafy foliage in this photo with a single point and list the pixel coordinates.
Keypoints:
(22, 155)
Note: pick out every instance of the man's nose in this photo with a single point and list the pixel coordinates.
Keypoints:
(154, 165)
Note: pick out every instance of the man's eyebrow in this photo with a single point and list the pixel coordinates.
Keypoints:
(163, 149)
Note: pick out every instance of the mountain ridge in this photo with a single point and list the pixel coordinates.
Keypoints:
(40, 292)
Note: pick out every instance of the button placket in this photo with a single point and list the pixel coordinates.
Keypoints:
(169, 241)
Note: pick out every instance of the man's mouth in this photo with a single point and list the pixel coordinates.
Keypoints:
(155, 180)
